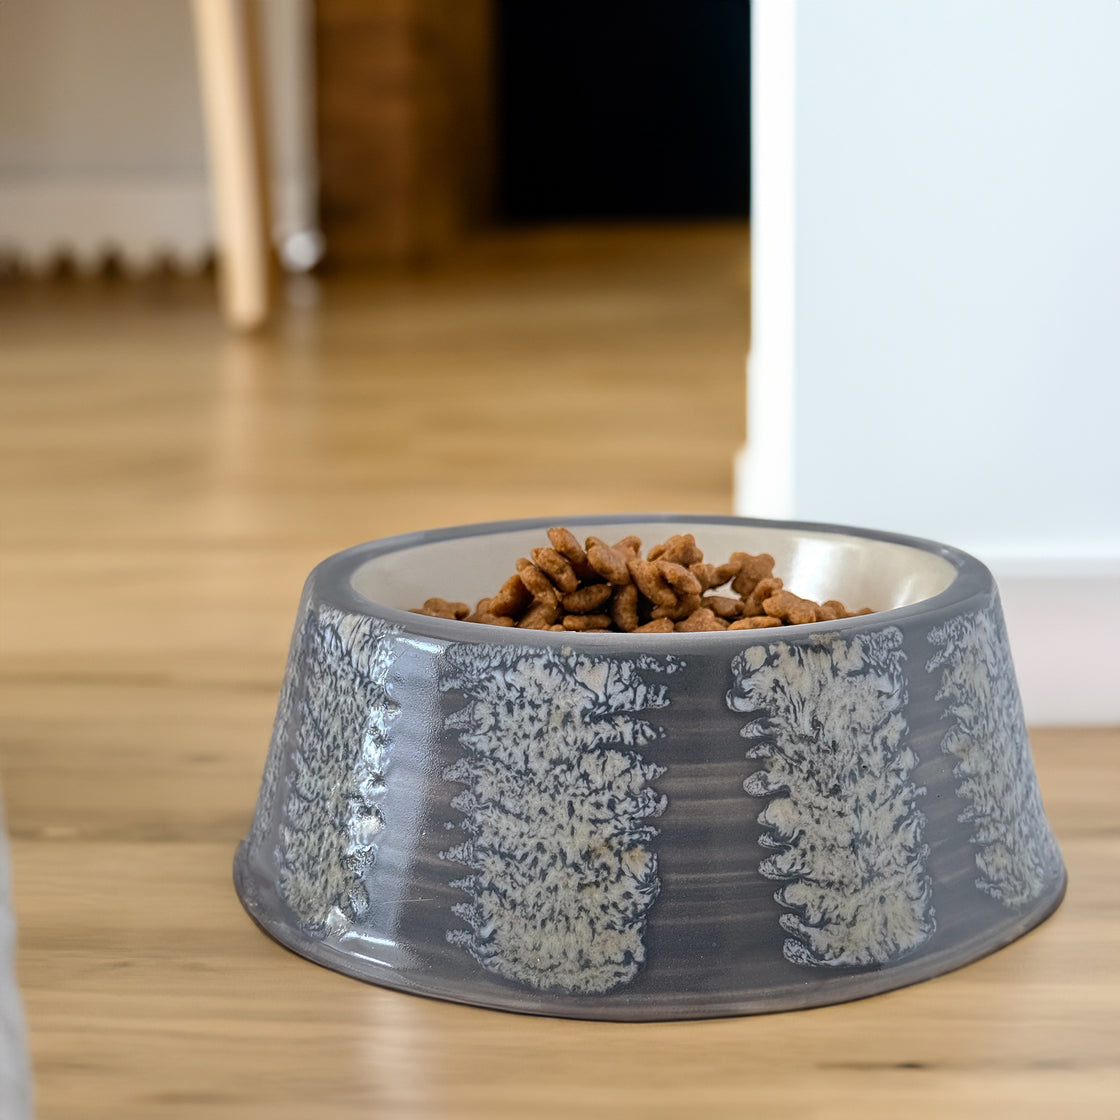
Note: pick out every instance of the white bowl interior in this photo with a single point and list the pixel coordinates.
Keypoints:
(856, 570)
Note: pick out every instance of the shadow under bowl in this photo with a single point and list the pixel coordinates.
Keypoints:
(650, 826)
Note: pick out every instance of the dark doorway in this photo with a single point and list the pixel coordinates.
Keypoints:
(622, 109)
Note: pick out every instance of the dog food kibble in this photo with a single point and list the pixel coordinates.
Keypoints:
(595, 587)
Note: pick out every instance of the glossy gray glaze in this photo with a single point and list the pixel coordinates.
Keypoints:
(631, 827)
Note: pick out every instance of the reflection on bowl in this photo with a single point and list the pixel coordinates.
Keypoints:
(650, 826)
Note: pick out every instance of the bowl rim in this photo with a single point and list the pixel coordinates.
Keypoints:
(332, 582)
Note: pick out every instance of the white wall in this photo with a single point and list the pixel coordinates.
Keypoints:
(947, 355)
(101, 136)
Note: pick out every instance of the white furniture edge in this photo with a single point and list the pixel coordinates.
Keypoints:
(1063, 651)
(764, 468)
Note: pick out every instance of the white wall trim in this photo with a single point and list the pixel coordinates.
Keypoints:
(1086, 561)
(138, 219)
(764, 482)
(1062, 608)
(1063, 639)
(142, 220)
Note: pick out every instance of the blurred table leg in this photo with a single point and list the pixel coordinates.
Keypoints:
(228, 59)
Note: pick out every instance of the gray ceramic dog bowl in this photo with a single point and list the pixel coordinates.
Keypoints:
(620, 826)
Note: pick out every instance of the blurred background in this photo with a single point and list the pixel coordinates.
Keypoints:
(475, 216)
(505, 273)
(280, 276)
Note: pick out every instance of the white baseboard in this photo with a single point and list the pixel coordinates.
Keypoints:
(141, 220)
(1063, 629)
(1062, 612)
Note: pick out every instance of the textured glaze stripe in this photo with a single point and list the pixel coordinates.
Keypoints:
(828, 719)
(278, 748)
(1016, 855)
(554, 809)
(332, 814)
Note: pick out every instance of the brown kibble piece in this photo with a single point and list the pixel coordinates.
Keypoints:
(758, 622)
(443, 608)
(494, 619)
(657, 626)
(723, 606)
(681, 609)
(652, 584)
(624, 608)
(706, 574)
(543, 613)
(726, 571)
(586, 622)
(679, 549)
(557, 569)
(830, 611)
(537, 583)
(632, 546)
(586, 599)
(752, 569)
(699, 620)
(752, 604)
(679, 577)
(482, 608)
(607, 561)
(565, 542)
(513, 599)
(790, 608)
(689, 603)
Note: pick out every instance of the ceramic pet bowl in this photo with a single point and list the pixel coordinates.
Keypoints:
(650, 826)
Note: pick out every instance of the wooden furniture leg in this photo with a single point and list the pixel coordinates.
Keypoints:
(228, 59)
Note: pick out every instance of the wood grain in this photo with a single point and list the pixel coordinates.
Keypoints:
(166, 489)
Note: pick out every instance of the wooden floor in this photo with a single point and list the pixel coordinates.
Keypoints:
(166, 490)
